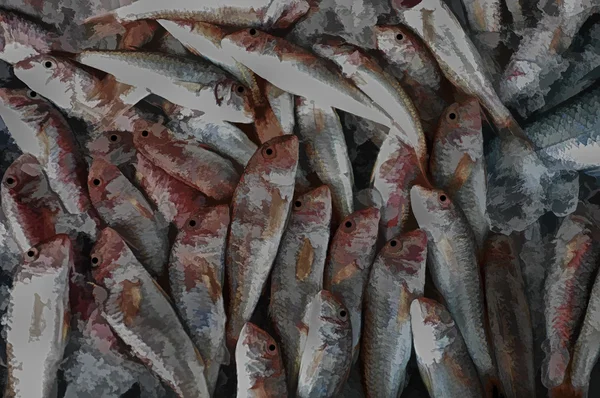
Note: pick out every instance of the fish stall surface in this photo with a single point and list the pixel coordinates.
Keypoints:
(299, 198)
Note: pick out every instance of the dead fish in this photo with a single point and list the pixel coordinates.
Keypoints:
(327, 354)
(125, 209)
(350, 257)
(510, 320)
(175, 200)
(139, 312)
(195, 84)
(455, 272)
(188, 161)
(298, 273)
(115, 147)
(567, 290)
(442, 356)
(260, 369)
(260, 208)
(457, 163)
(196, 275)
(322, 137)
(397, 278)
(37, 319)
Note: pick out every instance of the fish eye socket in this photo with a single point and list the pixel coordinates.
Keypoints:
(348, 224)
(240, 89)
(252, 32)
(48, 64)
(452, 116)
(399, 36)
(95, 261)
(96, 182)
(272, 348)
(114, 138)
(343, 314)
(443, 198)
(192, 223)
(145, 133)
(31, 94)
(31, 253)
(393, 243)
(10, 182)
(298, 204)
(268, 152)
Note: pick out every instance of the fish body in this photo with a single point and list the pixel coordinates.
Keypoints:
(37, 319)
(327, 355)
(196, 275)
(397, 278)
(297, 274)
(350, 257)
(260, 369)
(123, 207)
(21, 38)
(260, 208)
(322, 137)
(139, 312)
(442, 356)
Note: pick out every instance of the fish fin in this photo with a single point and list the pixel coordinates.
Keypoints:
(463, 171)
(130, 300)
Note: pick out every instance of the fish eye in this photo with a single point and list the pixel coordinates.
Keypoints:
(399, 36)
(268, 152)
(298, 204)
(343, 314)
(252, 32)
(452, 116)
(272, 347)
(443, 198)
(31, 94)
(240, 89)
(393, 243)
(96, 182)
(48, 64)
(114, 138)
(145, 133)
(10, 182)
(95, 261)
(31, 254)
(349, 226)
(192, 223)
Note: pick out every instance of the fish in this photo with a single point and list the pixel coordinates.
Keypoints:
(37, 318)
(397, 278)
(188, 161)
(567, 289)
(138, 34)
(509, 316)
(260, 369)
(380, 86)
(195, 84)
(484, 16)
(455, 272)
(297, 274)
(283, 105)
(350, 257)
(196, 277)
(322, 137)
(327, 355)
(442, 356)
(457, 163)
(139, 312)
(123, 207)
(259, 211)
(116, 147)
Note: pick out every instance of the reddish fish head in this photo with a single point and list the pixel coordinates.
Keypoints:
(25, 180)
(330, 309)
(114, 146)
(432, 207)
(20, 37)
(55, 253)
(461, 120)
(107, 254)
(249, 40)
(426, 311)
(25, 104)
(313, 207)
(208, 221)
(397, 42)
(276, 160)
(257, 345)
(357, 233)
(406, 254)
(100, 175)
(237, 97)
(148, 135)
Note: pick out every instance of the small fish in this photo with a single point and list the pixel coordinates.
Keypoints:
(455, 272)
(322, 137)
(457, 163)
(567, 290)
(442, 356)
(140, 313)
(196, 275)
(260, 369)
(351, 255)
(510, 320)
(327, 355)
(123, 207)
(260, 209)
(298, 273)
(37, 319)
(188, 161)
(195, 84)
(397, 278)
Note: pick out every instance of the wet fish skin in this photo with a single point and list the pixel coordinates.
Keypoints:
(397, 278)
(259, 366)
(455, 272)
(322, 137)
(350, 257)
(510, 320)
(37, 319)
(196, 274)
(260, 208)
(327, 356)
(123, 207)
(442, 356)
(567, 290)
(298, 273)
(139, 312)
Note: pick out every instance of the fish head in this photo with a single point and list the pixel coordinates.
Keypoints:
(356, 235)
(276, 160)
(247, 42)
(24, 109)
(406, 255)
(114, 146)
(314, 206)
(435, 327)
(281, 14)
(147, 135)
(431, 207)
(53, 254)
(258, 352)
(330, 310)
(21, 38)
(24, 180)
(397, 42)
(101, 174)
(235, 101)
(460, 127)
(206, 222)
(109, 252)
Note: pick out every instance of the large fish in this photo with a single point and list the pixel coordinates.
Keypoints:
(196, 275)
(455, 272)
(298, 273)
(123, 207)
(260, 369)
(260, 209)
(141, 315)
(327, 355)
(37, 319)
(350, 257)
(195, 84)
(397, 278)
(442, 356)
(510, 320)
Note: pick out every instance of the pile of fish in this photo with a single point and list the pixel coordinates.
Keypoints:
(218, 199)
